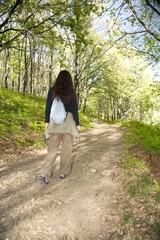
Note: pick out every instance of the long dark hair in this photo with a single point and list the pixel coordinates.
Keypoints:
(63, 87)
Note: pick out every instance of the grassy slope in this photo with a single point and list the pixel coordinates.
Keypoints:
(144, 148)
(142, 167)
(144, 140)
(21, 118)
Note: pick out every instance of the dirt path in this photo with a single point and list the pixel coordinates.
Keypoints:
(84, 206)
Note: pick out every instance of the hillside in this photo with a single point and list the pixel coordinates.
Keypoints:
(21, 119)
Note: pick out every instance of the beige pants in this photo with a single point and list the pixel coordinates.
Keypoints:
(65, 155)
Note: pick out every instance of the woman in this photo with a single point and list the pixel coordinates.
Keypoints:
(60, 133)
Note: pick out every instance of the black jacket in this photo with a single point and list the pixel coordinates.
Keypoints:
(72, 107)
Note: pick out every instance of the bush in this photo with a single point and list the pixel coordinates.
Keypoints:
(144, 135)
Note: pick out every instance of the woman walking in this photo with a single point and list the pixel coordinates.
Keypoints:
(63, 133)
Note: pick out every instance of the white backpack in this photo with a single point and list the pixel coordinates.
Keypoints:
(58, 113)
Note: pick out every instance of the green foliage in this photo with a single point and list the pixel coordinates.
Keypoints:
(85, 120)
(157, 228)
(139, 181)
(127, 215)
(145, 138)
(145, 135)
(143, 44)
(21, 117)
(124, 91)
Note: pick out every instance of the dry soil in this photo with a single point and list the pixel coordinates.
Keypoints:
(83, 206)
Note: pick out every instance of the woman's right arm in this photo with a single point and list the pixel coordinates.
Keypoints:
(74, 111)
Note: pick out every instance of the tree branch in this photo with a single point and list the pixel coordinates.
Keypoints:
(12, 29)
(13, 8)
(90, 60)
(3, 45)
(99, 55)
(51, 27)
(141, 22)
(119, 11)
(144, 53)
(50, 18)
(150, 5)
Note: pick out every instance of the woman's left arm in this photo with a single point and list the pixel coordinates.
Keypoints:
(48, 105)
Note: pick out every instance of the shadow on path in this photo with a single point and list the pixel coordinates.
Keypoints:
(24, 199)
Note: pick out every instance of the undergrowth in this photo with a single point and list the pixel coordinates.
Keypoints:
(21, 118)
(144, 142)
(142, 167)
(140, 180)
(85, 120)
(146, 136)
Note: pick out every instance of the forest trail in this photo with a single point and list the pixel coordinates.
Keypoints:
(84, 206)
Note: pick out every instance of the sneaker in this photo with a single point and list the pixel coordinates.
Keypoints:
(43, 178)
(62, 176)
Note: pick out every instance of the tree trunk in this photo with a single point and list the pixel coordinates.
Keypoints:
(51, 71)
(31, 69)
(86, 99)
(19, 68)
(19, 73)
(25, 78)
(38, 77)
(6, 69)
(76, 80)
(6, 81)
(13, 81)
